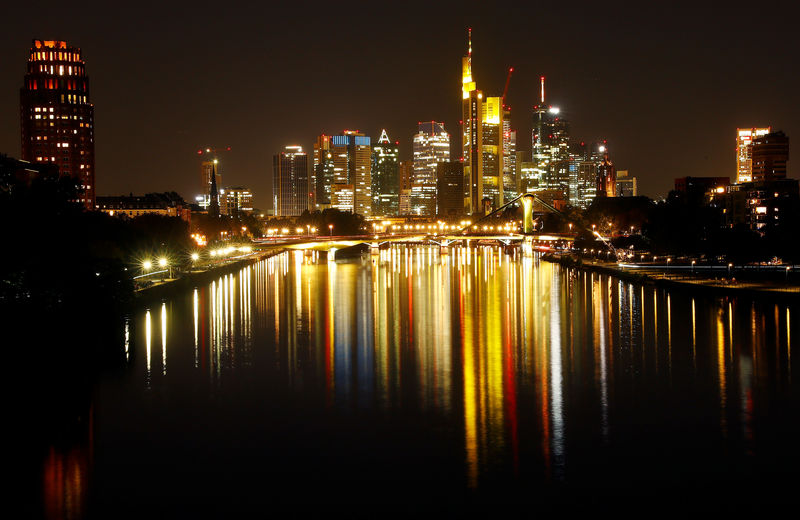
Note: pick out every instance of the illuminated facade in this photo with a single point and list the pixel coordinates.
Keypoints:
(431, 147)
(550, 146)
(352, 172)
(471, 136)
(57, 116)
(627, 185)
(322, 176)
(606, 177)
(385, 177)
(744, 141)
(235, 200)
(168, 204)
(290, 190)
(492, 149)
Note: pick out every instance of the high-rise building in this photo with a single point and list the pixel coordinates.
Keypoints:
(322, 176)
(492, 149)
(510, 181)
(550, 145)
(352, 177)
(405, 173)
(290, 190)
(211, 163)
(450, 189)
(606, 177)
(744, 141)
(385, 176)
(57, 115)
(431, 146)
(770, 152)
(471, 136)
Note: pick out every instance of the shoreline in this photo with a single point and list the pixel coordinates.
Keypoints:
(704, 286)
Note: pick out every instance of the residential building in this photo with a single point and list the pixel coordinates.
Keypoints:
(57, 116)
(744, 141)
(168, 204)
(770, 152)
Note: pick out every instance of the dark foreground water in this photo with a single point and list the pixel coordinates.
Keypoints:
(451, 380)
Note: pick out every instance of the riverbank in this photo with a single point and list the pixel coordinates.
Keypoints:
(192, 279)
(682, 282)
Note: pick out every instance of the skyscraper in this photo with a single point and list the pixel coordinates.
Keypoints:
(322, 176)
(770, 152)
(492, 149)
(352, 177)
(290, 191)
(450, 189)
(57, 115)
(431, 146)
(385, 177)
(471, 135)
(550, 145)
(744, 142)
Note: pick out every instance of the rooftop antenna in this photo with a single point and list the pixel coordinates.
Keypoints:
(542, 80)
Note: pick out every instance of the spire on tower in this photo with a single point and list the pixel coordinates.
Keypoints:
(384, 138)
(542, 80)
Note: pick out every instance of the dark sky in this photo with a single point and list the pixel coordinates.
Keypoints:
(665, 83)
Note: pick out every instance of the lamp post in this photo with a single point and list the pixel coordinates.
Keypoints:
(693, 266)
(330, 230)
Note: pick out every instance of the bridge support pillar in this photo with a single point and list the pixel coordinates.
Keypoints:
(527, 213)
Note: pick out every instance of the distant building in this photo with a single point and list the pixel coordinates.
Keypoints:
(15, 172)
(57, 115)
(322, 173)
(168, 204)
(606, 178)
(450, 189)
(431, 146)
(404, 205)
(211, 163)
(235, 200)
(352, 172)
(492, 149)
(770, 152)
(626, 184)
(385, 173)
(471, 136)
(761, 206)
(698, 187)
(290, 189)
(744, 141)
(405, 173)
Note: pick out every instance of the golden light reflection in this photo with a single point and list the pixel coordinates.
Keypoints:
(164, 338)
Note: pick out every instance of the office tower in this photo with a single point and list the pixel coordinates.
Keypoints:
(322, 176)
(627, 185)
(385, 177)
(550, 145)
(57, 115)
(492, 147)
(769, 155)
(510, 181)
(606, 179)
(235, 200)
(582, 175)
(405, 177)
(744, 142)
(290, 193)
(211, 161)
(431, 146)
(471, 136)
(450, 189)
(352, 179)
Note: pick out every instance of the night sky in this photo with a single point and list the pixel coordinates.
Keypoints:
(666, 85)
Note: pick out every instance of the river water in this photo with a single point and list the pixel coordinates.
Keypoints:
(422, 378)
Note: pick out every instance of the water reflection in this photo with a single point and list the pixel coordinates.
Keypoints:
(526, 357)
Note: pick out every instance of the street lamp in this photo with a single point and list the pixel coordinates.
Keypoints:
(729, 269)
(330, 230)
(195, 257)
(147, 265)
(693, 266)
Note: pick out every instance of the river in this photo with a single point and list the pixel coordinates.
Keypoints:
(422, 378)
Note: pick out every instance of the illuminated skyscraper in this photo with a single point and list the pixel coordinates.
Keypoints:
(431, 146)
(290, 193)
(385, 177)
(352, 167)
(56, 114)
(744, 141)
(492, 148)
(550, 142)
(471, 135)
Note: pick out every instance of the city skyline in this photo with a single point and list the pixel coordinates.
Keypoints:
(645, 71)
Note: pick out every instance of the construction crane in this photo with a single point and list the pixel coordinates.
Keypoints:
(508, 80)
